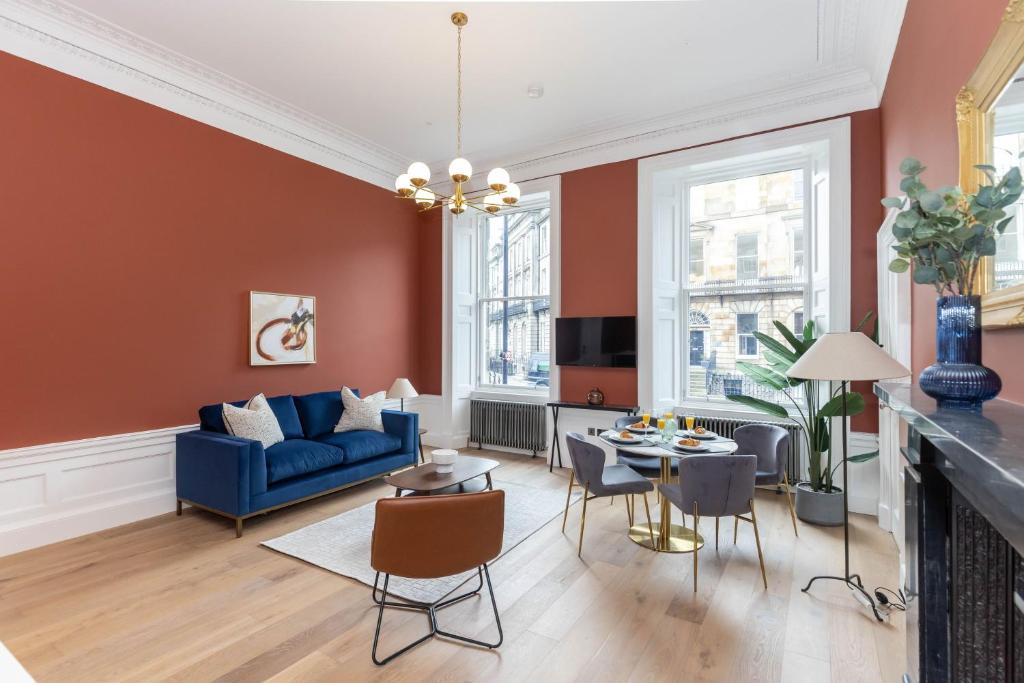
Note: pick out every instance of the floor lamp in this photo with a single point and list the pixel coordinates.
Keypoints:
(846, 357)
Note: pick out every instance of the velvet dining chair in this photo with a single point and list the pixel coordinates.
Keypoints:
(770, 443)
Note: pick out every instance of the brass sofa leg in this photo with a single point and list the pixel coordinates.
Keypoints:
(238, 527)
(179, 507)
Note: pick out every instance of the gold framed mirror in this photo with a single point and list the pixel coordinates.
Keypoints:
(990, 126)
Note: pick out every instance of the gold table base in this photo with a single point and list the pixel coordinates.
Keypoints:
(679, 539)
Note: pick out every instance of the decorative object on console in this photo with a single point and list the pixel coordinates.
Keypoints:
(281, 329)
(255, 420)
(946, 234)
(445, 459)
(500, 192)
(402, 389)
(360, 413)
(818, 500)
(844, 357)
(595, 397)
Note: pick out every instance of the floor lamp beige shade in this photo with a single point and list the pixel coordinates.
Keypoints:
(402, 389)
(846, 356)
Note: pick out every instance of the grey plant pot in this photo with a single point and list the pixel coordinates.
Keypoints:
(818, 507)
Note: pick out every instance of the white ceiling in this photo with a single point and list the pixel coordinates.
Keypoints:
(382, 74)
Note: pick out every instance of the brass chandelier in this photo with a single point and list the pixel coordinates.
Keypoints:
(500, 192)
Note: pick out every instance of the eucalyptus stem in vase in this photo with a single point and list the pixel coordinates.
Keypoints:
(944, 234)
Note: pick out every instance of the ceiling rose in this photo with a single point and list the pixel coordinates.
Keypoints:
(501, 192)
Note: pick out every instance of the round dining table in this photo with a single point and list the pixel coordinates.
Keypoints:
(668, 537)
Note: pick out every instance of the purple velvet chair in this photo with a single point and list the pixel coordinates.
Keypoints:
(770, 443)
(716, 486)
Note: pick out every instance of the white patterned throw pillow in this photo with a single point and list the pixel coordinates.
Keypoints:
(361, 413)
(255, 420)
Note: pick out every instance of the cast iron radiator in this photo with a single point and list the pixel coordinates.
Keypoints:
(508, 424)
(725, 426)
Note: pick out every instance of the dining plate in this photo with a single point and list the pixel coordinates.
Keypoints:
(690, 449)
(618, 439)
(646, 430)
(706, 436)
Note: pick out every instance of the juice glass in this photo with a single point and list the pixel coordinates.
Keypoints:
(647, 418)
(690, 420)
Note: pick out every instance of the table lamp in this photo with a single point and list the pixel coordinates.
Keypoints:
(402, 389)
(846, 357)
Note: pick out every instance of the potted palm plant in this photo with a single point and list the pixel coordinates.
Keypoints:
(818, 500)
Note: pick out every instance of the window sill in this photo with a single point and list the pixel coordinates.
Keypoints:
(726, 408)
(510, 394)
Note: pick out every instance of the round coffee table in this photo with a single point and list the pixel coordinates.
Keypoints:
(425, 480)
(668, 537)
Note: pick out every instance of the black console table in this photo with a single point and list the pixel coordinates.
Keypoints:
(964, 524)
(556, 405)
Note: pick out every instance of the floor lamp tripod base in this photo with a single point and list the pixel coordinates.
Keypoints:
(855, 584)
(851, 580)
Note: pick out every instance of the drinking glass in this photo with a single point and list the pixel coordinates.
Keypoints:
(690, 420)
(647, 418)
(661, 424)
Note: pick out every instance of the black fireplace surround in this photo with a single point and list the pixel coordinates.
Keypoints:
(964, 522)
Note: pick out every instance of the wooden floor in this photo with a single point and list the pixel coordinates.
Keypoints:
(180, 599)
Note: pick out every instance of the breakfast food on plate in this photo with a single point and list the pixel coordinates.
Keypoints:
(699, 430)
(689, 442)
(625, 435)
(638, 425)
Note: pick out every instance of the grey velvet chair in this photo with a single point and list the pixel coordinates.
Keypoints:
(716, 486)
(770, 443)
(599, 481)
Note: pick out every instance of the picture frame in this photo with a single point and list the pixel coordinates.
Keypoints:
(282, 329)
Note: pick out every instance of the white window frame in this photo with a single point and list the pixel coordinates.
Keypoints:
(739, 342)
(757, 255)
(661, 321)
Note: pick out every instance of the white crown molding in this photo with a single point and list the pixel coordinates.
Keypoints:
(80, 44)
(830, 95)
(65, 38)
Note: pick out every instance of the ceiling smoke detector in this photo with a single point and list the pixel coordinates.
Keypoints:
(535, 91)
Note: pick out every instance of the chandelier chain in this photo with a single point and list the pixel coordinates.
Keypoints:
(458, 97)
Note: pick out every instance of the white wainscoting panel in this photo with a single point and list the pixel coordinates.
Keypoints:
(53, 492)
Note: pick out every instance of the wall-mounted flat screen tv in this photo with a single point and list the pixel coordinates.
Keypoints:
(608, 342)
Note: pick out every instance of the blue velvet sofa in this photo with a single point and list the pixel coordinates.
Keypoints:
(238, 478)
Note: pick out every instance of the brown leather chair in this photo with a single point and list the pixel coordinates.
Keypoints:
(429, 537)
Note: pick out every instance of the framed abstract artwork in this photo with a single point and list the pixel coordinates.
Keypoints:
(282, 328)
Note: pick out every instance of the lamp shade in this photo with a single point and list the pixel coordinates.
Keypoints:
(849, 356)
(402, 388)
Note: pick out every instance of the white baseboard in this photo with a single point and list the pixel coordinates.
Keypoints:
(54, 492)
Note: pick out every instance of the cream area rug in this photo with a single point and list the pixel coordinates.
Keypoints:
(341, 544)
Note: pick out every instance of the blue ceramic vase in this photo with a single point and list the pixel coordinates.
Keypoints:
(958, 379)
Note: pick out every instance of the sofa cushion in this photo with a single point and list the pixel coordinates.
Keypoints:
(319, 412)
(211, 418)
(361, 444)
(293, 457)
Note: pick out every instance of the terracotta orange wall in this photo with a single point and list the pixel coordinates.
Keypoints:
(428, 360)
(131, 238)
(940, 44)
(592, 231)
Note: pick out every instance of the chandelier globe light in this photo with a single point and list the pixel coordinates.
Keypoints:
(500, 192)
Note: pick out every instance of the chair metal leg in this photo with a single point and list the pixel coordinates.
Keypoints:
(696, 524)
(789, 499)
(568, 496)
(735, 528)
(650, 527)
(716, 533)
(583, 519)
(629, 516)
(757, 541)
(431, 611)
